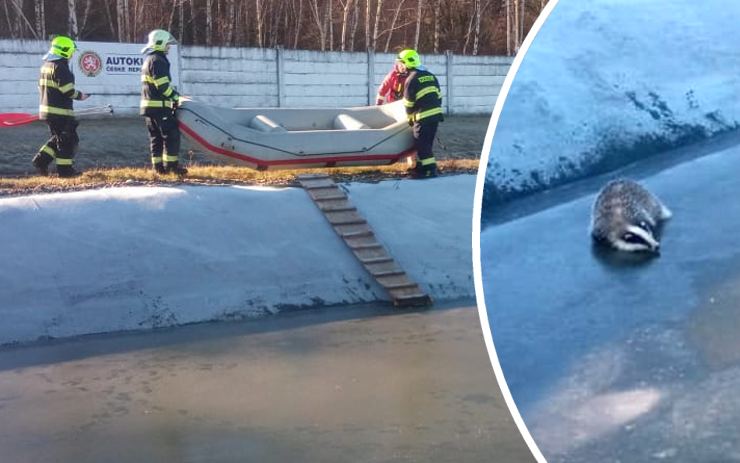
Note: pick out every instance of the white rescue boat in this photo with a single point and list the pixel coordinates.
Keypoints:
(279, 138)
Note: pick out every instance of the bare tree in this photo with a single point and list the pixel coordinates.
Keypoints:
(471, 26)
(476, 33)
(508, 28)
(436, 25)
(393, 26)
(181, 19)
(298, 24)
(378, 8)
(259, 21)
(355, 23)
(138, 19)
(469, 30)
(521, 23)
(231, 22)
(474, 27)
(320, 22)
(38, 9)
(109, 17)
(515, 24)
(209, 22)
(346, 4)
(72, 7)
(367, 23)
(194, 19)
(122, 19)
(11, 29)
(419, 10)
(171, 22)
(22, 20)
(85, 16)
(330, 23)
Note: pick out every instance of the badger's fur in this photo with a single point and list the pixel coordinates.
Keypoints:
(625, 216)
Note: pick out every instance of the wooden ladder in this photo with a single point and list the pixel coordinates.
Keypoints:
(356, 232)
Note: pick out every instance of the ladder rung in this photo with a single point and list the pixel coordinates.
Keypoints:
(401, 286)
(340, 209)
(328, 197)
(412, 296)
(366, 246)
(376, 260)
(321, 187)
(359, 221)
(389, 273)
(357, 234)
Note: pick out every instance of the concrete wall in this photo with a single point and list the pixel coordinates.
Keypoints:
(146, 257)
(270, 77)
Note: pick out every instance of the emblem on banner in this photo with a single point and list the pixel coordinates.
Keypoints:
(90, 63)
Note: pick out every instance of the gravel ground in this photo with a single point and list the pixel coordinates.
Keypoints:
(116, 142)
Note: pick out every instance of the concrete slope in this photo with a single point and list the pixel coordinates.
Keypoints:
(141, 257)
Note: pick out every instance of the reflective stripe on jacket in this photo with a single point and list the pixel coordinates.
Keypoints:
(56, 89)
(422, 97)
(157, 94)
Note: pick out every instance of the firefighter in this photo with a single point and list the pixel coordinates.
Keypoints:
(57, 90)
(423, 100)
(158, 104)
(392, 87)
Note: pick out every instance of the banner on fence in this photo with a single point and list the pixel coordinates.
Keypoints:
(114, 65)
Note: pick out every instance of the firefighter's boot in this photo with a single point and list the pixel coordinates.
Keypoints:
(419, 172)
(41, 162)
(67, 171)
(175, 168)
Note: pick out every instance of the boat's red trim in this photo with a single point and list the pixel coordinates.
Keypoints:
(302, 160)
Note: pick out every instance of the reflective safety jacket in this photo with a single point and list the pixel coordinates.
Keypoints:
(158, 98)
(392, 88)
(422, 97)
(57, 89)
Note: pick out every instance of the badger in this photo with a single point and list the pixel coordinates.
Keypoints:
(625, 216)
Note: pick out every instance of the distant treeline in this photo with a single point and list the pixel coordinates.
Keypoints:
(472, 27)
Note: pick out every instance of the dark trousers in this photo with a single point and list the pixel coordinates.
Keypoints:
(424, 133)
(62, 145)
(164, 140)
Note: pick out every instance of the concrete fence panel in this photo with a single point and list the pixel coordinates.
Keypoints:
(248, 77)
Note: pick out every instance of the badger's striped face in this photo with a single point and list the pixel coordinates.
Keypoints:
(636, 238)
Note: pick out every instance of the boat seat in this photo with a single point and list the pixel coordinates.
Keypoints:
(347, 122)
(265, 124)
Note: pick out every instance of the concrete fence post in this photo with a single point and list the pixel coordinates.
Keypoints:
(183, 88)
(450, 71)
(370, 76)
(280, 69)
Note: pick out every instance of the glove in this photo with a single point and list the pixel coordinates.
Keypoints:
(410, 118)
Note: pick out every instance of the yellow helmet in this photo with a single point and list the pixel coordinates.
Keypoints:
(159, 40)
(63, 46)
(409, 58)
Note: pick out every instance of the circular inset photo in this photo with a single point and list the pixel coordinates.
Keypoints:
(609, 265)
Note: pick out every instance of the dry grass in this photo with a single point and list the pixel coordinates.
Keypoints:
(205, 174)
